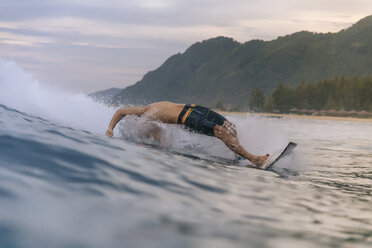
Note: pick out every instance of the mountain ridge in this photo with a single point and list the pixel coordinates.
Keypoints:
(223, 70)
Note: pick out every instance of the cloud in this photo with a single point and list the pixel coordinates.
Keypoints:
(162, 4)
(22, 40)
(95, 44)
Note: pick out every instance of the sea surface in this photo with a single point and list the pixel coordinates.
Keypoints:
(63, 183)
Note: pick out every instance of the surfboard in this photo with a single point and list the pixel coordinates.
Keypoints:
(276, 156)
(194, 156)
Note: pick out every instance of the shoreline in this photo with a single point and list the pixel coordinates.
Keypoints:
(295, 116)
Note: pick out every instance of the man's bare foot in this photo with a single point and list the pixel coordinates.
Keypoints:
(260, 160)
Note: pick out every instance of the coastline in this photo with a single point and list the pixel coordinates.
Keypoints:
(296, 116)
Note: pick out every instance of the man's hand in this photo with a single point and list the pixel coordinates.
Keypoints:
(109, 133)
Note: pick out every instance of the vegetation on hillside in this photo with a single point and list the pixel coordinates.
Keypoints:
(338, 94)
(257, 101)
(221, 70)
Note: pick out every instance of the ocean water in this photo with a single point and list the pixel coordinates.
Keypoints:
(64, 184)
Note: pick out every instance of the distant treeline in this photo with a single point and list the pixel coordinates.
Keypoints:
(338, 94)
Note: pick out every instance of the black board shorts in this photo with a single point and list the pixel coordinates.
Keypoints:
(200, 119)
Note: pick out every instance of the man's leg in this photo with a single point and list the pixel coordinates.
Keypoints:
(232, 142)
(231, 128)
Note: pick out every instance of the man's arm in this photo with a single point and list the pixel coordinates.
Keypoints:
(120, 114)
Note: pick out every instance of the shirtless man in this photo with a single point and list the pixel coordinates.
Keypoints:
(196, 118)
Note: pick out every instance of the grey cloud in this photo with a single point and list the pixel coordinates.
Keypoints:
(80, 60)
(89, 68)
(347, 7)
(180, 13)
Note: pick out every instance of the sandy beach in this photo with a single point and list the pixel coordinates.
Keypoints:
(313, 117)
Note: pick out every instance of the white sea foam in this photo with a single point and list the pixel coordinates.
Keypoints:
(20, 91)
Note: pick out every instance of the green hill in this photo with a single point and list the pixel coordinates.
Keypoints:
(226, 71)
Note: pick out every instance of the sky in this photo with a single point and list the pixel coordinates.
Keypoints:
(89, 45)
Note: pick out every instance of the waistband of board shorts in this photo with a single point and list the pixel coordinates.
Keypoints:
(186, 111)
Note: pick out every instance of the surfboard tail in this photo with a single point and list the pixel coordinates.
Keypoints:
(273, 158)
(269, 161)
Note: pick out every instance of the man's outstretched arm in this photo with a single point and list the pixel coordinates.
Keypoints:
(120, 114)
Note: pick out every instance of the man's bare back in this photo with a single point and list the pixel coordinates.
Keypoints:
(166, 112)
(196, 118)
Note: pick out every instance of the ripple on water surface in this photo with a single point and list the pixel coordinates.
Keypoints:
(64, 187)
